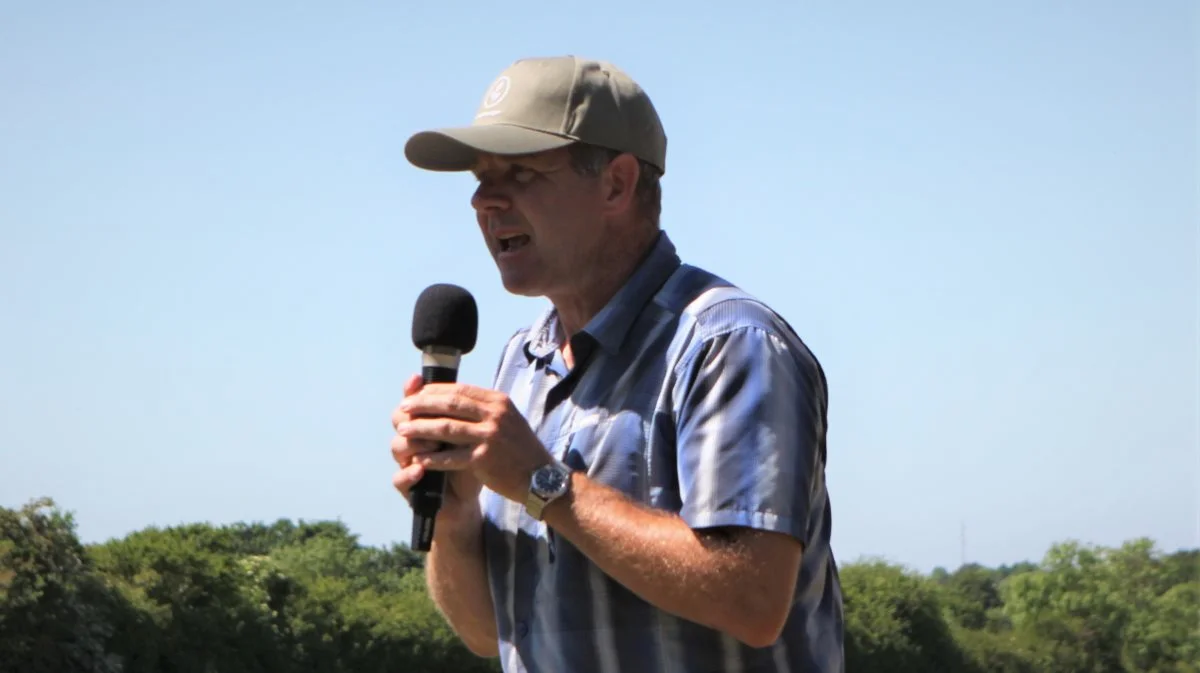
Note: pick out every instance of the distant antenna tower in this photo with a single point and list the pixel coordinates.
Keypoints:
(963, 542)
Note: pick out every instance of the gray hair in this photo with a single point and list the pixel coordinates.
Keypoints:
(590, 160)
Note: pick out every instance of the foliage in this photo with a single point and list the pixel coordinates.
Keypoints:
(894, 622)
(55, 612)
(305, 597)
(246, 598)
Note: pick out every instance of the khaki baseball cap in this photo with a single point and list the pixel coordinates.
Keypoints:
(540, 104)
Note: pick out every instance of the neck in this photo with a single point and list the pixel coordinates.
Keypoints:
(610, 273)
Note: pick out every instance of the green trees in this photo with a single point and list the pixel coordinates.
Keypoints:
(1083, 609)
(249, 598)
(307, 597)
(56, 613)
(895, 622)
(1124, 609)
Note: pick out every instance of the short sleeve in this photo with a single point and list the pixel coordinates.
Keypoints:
(751, 432)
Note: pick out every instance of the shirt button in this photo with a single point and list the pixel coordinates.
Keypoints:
(522, 629)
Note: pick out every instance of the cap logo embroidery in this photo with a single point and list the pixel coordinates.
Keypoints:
(497, 92)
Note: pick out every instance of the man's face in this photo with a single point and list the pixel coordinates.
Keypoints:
(542, 222)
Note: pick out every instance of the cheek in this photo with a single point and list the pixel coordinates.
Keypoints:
(481, 221)
(575, 212)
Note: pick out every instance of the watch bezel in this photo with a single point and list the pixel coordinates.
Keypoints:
(540, 497)
(549, 480)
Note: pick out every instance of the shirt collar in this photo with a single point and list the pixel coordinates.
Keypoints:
(611, 325)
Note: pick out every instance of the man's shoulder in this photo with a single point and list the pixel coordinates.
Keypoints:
(710, 306)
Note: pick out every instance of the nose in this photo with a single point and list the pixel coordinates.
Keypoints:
(489, 197)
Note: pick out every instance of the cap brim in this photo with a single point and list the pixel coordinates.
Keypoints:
(456, 149)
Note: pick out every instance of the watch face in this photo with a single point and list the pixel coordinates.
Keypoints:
(548, 480)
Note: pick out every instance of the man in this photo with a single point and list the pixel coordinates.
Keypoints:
(644, 488)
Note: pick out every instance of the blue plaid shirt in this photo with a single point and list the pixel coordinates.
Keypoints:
(688, 396)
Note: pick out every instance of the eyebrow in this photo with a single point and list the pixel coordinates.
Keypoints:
(508, 164)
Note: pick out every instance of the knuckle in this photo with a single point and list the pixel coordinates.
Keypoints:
(489, 427)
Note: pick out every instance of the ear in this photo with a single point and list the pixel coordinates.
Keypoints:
(619, 184)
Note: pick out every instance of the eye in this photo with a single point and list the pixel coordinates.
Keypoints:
(522, 175)
(517, 174)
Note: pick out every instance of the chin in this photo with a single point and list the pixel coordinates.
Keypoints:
(521, 285)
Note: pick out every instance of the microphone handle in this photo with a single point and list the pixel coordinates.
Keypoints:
(426, 495)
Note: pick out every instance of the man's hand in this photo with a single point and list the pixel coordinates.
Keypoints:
(455, 570)
(742, 586)
(462, 488)
(491, 439)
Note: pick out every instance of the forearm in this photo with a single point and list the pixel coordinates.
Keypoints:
(458, 584)
(704, 577)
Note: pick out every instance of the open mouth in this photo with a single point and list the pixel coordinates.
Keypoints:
(513, 243)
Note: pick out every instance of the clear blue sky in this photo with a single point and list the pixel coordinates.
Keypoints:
(981, 216)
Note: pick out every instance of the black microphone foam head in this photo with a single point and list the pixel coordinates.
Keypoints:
(445, 315)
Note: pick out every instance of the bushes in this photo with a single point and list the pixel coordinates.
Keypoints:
(287, 597)
(199, 598)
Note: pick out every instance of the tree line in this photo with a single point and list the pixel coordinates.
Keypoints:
(292, 597)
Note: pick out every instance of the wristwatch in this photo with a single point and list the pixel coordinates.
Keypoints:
(548, 483)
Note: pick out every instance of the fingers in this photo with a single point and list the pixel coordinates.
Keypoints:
(462, 389)
(444, 430)
(413, 385)
(445, 400)
(408, 446)
(449, 460)
(406, 477)
(405, 448)
(431, 415)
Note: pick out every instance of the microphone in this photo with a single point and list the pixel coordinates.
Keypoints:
(445, 322)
